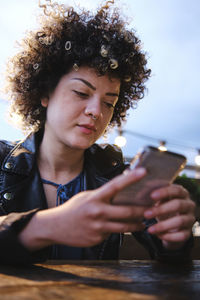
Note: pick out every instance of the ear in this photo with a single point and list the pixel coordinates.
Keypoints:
(45, 101)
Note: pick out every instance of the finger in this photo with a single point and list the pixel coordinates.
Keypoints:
(120, 227)
(106, 211)
(179, 236)
(111, 188)
(172, 207)
(175, 223)
(128, 212)
(170, 192)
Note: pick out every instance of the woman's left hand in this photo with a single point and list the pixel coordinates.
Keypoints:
(174, 212)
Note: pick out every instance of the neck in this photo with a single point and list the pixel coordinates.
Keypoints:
(59, 163)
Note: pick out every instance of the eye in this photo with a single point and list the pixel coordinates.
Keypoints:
(109, 105)
(80, 94)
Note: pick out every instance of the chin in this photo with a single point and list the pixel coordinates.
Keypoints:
(81, 146)
(79, 142)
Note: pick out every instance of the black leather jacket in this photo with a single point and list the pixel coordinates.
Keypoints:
(22, 194)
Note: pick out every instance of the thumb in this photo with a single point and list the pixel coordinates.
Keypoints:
(111, 188)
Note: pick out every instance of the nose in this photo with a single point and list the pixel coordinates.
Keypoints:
(93, 108)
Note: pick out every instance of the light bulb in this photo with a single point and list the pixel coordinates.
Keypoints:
(197, 158)
(120, 141)
(162, 146)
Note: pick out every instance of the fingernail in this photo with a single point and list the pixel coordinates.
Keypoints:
(148, 213)
(151, 229)
(155, 194)
(140, 171)
(127, 171)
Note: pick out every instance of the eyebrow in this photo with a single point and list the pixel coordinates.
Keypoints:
(93, 88)
(112, 94)
(86, 82)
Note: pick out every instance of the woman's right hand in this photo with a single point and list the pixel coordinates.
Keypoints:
(87, 218)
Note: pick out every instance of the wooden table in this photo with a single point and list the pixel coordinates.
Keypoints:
(107, 280)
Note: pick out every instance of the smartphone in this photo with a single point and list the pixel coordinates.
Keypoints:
(162, 168)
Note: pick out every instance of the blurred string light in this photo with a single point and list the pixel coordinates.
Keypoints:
(162, 146)
(120, 141)
(197, 158)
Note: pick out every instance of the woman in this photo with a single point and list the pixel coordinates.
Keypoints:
(75, 76)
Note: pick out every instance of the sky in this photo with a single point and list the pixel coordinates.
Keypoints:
(170, 35)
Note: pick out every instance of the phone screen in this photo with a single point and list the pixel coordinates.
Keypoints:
(162, 168)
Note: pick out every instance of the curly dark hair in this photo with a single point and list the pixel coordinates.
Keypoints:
(70, 39)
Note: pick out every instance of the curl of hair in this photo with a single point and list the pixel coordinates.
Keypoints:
(65, 38)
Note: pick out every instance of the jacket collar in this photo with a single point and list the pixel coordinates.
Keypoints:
(21, 159)
(103, 160)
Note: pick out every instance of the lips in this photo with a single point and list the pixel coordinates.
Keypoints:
(87, 128)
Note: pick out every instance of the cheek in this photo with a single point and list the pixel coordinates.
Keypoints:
(109, 117)
(106, 121)
(64, 115)
(55, 116)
